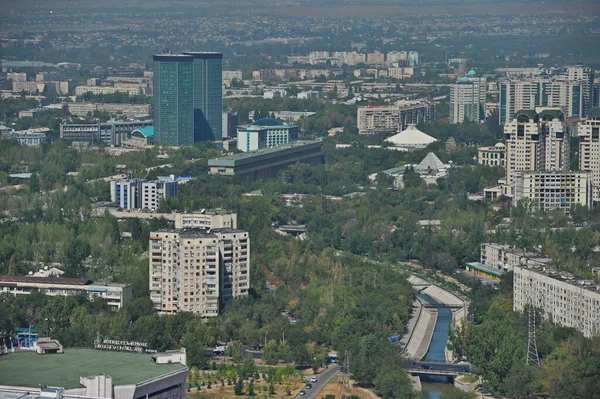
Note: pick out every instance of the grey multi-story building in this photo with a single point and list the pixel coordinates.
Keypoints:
(508, 257)
(569, 300)
(198, 271)
(467, 99)
(111, 133)
(188, 97)
(588, 132)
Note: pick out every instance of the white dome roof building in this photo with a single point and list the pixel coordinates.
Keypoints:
(411, 139)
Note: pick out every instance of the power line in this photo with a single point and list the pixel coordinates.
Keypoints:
(345, 388)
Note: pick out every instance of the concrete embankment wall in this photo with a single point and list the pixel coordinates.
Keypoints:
(421, 335)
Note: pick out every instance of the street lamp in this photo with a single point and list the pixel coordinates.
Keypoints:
(266, 332)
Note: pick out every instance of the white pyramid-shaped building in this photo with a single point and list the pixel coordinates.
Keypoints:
(430, 162)
(411, 139)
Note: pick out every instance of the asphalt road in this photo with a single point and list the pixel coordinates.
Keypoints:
(322, 379)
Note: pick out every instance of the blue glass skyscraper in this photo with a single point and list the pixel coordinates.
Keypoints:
(208, 95)
(173, 100)
(188, 98)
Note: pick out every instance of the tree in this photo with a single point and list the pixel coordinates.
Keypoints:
(34, 183)
(251, 388)
(235, 351)
(238, 388)
(270, 352)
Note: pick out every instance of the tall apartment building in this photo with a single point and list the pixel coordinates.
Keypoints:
(188, 97)
(468, 98)
(142, 194)
(572, 90)
(375, 119)
(535, 142)
(229, 124)
(588, 131)
(570, 301)
(198, 270)
(556, 189)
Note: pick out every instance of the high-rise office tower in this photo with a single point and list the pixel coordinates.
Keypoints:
(208, 95)
(588, 132)
(188, 98)
(467, 99)
(198, 271)
(173, 99)
(535, 142)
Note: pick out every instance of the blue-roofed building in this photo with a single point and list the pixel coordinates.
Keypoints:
(144, 133)
(265, 133)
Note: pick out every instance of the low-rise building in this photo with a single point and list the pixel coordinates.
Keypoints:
(375, 119)
(111, 133)
(132, 91)
(556, 189)
(268, 162)
(265, 133)
(569, 300)
(142, 194)
(29, 137)
(508, 257)
(116, 295)
(92, 374)
(492, 156)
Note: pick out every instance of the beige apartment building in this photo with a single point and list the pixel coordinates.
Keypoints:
(212, 219)
(535, 142)
(554, 189)
(588, 132)
(569, 300)
(198, 270)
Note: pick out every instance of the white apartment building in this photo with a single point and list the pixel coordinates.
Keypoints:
(508, 257)
(468, 98)
(212, 219)
(570, 301)
(198, 270)
(82, 109)
(116, 295)
(492, 156)
(142, 194)
(132, 91)
(588, 131)
(557, 189)
(265, 133)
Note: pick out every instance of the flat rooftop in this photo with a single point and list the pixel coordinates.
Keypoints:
(262, 151)
(28, 369)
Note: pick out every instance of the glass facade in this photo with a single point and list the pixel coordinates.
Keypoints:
(173, 100)
(208, 95)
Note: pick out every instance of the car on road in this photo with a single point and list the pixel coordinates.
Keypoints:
(313, 379)
(467, 370)
(426, 367)
(302, 392)
(308, 386)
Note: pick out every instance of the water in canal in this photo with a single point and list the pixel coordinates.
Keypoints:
(436, 353)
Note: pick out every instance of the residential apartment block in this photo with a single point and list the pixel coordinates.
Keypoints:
(556, 189)
(116, 295)
(508, 257)
(467, 99)
(198, 270)
(142, 194)
(211, 219)
(373, 119)
(588, 132)
(570, 301)
(535, 142)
